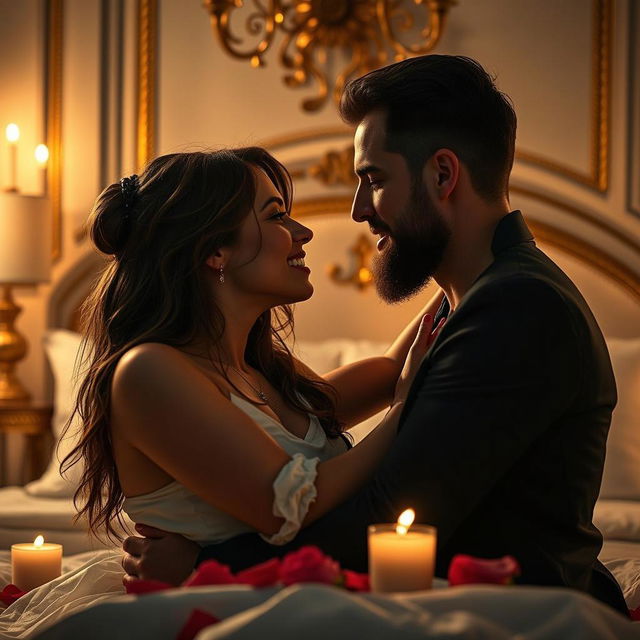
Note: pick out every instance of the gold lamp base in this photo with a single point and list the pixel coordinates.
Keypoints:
(13, 347)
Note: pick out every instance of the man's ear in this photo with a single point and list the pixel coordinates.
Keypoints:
(441, 173)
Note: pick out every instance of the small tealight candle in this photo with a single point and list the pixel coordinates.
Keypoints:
(34, 564)
(401, 556)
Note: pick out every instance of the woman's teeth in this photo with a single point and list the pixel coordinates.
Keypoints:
(296, 262)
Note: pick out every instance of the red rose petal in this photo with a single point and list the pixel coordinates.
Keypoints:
(139, 587)
(356, 581)
(10, 594)
(210, 572)
(261, 575)
(469, 570)
(197, 621)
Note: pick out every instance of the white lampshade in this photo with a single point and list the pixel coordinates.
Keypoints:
(25, 239)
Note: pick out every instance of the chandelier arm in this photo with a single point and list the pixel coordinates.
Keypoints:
(437, 11)
(220, 12)
(359, 62)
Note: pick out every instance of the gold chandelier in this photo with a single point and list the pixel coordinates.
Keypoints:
(367, 30)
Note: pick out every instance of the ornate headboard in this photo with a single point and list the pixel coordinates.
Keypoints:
(611, 287)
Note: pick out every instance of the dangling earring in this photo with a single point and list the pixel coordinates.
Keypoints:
(221, 275)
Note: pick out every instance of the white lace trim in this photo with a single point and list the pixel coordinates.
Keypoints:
(294, 490)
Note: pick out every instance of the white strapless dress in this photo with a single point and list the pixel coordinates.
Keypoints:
(96, 576)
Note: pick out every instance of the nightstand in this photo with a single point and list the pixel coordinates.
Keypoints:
(33, 421)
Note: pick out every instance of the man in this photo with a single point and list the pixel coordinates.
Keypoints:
(502, 440)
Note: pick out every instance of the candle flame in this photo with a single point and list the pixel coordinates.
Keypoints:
(39, 541)
(405, 521)
(12, 133)
(42, 154)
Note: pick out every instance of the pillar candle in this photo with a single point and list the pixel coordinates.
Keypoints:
(401, 558)
(33, 564)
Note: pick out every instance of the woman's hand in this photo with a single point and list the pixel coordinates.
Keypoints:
(424, 339)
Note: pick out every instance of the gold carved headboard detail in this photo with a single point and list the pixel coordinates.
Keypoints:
(360, 275)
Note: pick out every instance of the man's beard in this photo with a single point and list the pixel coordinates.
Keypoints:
(413, 252)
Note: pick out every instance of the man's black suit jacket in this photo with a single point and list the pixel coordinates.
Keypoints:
(502, 440)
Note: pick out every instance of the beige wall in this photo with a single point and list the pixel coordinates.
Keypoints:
(541, 53)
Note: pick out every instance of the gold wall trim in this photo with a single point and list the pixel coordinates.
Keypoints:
(146, 85)
(578, 248)
(55, 17)
(593, 219)
(310, 135)
(598, 175)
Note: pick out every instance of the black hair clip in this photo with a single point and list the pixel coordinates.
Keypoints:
(129, 187)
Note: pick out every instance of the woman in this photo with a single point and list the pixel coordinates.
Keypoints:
(197, 418)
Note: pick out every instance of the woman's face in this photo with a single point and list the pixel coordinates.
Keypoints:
(268, 259)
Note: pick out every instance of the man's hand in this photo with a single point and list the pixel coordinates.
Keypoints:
(160, 555)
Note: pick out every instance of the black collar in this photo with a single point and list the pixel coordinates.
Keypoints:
(511, 230)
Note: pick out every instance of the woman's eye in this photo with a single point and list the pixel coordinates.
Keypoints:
(278, 215)
(374, 185)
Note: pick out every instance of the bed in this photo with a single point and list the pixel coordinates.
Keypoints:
(343, 322)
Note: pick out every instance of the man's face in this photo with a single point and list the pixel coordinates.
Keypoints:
(397, 207)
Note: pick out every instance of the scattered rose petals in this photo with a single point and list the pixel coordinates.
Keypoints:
(140, 587)
(261, 575)
(210, 572)
(469, 570)
(10, 594)
(197, 621)
(309, 564)
(356, 581)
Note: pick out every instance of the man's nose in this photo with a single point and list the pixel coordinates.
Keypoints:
(361, 209)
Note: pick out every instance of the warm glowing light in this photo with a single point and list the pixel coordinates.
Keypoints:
(405, 521)
(42, 154)
(255, 61)
(279, 18)
(12, 133)
(39, 541)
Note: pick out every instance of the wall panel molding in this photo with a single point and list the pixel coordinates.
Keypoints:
(598, 176)
(53, 110)
(633, 113)
(147, 81)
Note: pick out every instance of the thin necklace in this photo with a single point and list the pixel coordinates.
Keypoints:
(259, 392)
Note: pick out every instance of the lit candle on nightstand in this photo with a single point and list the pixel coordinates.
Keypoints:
(42, 157)
(34, 564)
(401, 556)
(13, 135)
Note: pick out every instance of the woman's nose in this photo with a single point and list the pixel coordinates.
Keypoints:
(301, 233)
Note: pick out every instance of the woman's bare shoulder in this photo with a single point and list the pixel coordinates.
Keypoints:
(153, 365)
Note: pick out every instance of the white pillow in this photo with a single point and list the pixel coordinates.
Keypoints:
(61, 347)
(321, 356)
(621, 477)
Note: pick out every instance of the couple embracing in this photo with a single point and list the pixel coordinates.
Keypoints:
(208, 433)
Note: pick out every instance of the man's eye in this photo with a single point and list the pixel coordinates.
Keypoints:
(374, 185)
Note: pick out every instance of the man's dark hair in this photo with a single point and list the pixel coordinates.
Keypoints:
(439, 101)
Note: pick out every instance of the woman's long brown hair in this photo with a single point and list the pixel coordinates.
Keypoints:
(153, 289)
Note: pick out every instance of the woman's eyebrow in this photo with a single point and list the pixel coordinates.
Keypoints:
(276, 199)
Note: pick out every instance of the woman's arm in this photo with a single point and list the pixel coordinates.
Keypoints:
(171, 412)
(367, 386)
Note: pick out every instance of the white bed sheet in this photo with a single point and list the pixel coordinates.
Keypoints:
(97, 609)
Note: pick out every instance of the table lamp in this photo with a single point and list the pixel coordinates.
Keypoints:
(25, 259)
